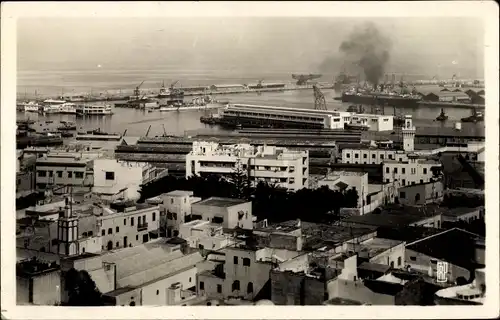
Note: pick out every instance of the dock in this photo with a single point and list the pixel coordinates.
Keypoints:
(124, 97)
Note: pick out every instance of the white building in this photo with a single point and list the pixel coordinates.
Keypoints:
(225, 212)
(285, 168)
(375, 122)
(342, 180)
(204, 235)
(409, 172)
(113, 178)
(174, 207)
(74, 171)
(128, 226)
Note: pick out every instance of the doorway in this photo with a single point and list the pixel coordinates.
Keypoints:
(110, 245)
(125, 242)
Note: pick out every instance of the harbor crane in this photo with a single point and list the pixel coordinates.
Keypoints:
(319, 99)
(137, 91)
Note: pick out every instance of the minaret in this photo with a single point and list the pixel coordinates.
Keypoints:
(408, 132)
(67, 231)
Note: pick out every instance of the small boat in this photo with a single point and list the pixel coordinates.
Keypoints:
(67, 126)
(98, 135)
(475, 117)
(442, 116)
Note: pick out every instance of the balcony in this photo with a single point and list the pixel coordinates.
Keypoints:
(142, 226)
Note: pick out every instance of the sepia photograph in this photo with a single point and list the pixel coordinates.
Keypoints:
(196, 160)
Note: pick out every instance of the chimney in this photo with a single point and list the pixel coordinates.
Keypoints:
(299, 224)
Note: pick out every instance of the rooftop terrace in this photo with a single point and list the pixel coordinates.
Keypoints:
(220, 202)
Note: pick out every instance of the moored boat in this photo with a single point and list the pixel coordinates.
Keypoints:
(94, 110)
(442, 116)
(475, 117)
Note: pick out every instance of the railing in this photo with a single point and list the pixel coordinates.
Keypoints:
(142, 226)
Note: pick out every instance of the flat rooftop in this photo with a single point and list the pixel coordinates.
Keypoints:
(220, 202)
(375, 246)
(179, 193)
(395, 217)
(456, 212)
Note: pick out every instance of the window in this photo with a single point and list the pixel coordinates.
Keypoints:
(110, 175)
(51, 173)
(348, 155)
(403, 171)
(412, 258)
(250, 287)
(390, 157)
(202, 285)
(137, 237)
(117, 229)
(417, 197)
(433, 261)
(59, 174)
(425, 170)
(356, 155)
(246, 262)
(236, 285)
(395, 170)
(413, 171)
(154, 215)
(90, 233)
(421, 180)
(235, 260)
(386, 169)
(392, 264)
(399, 261)
(365, 156)
(124, 222)
(172, 201)
(157, 292)
(219, 288)
(190, 279)
(70, 174)
(42, 173)
(387, 180)
(402, 195)
(79, 175)
(382, 156)
(110, 231)
(132, 221)
(117, 244)
(403, 182)
(103, 232)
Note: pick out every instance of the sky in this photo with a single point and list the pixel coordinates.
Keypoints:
(244, 44)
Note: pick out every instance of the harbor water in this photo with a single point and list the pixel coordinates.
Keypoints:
(137, 122)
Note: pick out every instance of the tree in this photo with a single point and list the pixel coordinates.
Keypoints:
(82, 290)
(240, 181)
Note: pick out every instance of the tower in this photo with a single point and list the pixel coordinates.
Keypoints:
(408, 132)
(67, 232)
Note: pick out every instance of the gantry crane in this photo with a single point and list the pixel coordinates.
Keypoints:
(319, 99)
(137, 91)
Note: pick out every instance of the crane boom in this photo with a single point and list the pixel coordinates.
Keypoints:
(319, 99)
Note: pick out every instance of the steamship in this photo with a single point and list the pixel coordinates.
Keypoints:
(381, 98)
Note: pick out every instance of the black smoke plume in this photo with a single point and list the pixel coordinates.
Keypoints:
(368, 48)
